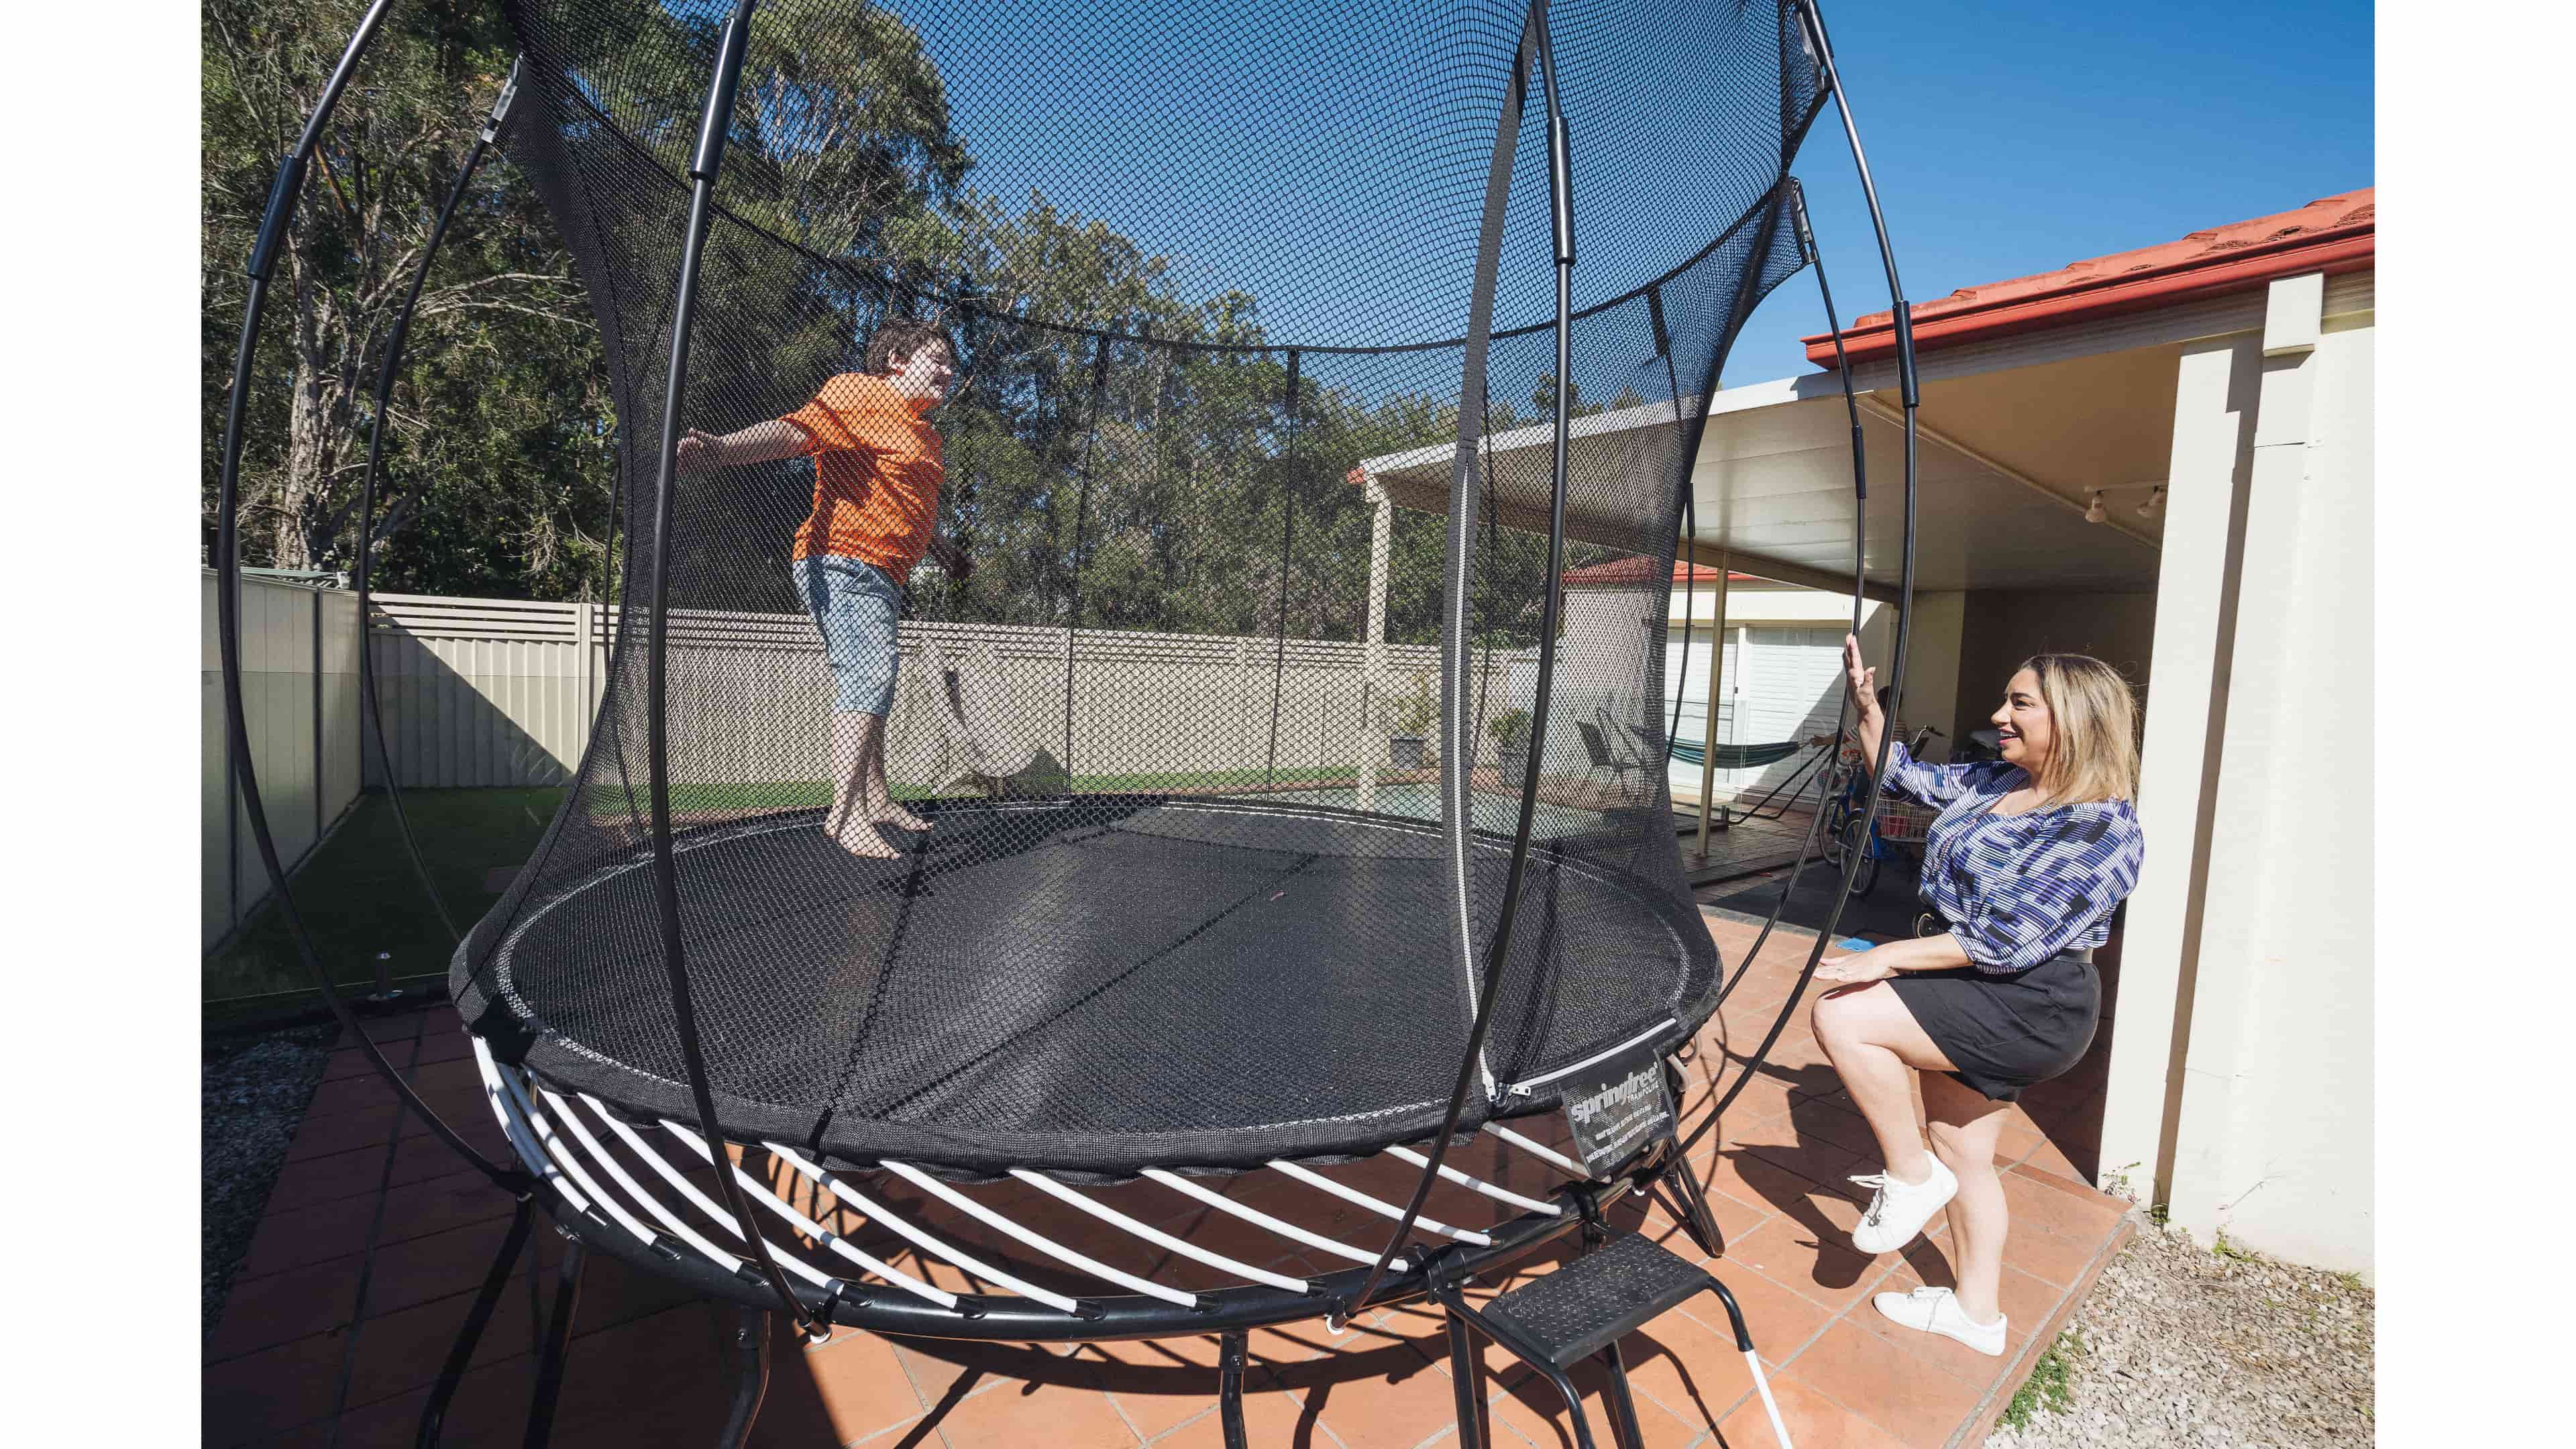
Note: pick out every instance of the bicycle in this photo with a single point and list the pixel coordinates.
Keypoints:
(1899, 832)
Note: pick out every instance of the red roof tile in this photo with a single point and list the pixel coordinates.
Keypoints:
(2333, 234)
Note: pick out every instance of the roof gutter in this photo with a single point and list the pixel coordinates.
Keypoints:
(2350, 249)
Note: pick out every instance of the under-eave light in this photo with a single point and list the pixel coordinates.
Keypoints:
(2095, 512)
(2155, 501)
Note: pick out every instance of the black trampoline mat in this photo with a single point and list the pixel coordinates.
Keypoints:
(1094, 985)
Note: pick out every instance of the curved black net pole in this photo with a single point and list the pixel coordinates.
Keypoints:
(1687, 439)
(1287, 553)
(708, 159)
(1814, 29)
(1081, 513)
(369, 698)
(1737, 314)
(263, 262)
(1457, 758)
(1842, 702)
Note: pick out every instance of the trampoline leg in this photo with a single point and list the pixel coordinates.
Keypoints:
(1695, 1214)
(550, 1360)
(1624, 1430)
(1467, 1381)
(749, 1360)
(1232, 1352)
(433, 1415)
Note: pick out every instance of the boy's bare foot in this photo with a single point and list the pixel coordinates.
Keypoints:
(862, 839)
(901, 819)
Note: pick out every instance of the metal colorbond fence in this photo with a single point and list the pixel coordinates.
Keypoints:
(495, 692)
(300, 703)
(480, 692)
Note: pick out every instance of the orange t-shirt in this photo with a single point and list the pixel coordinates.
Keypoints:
(877, 472)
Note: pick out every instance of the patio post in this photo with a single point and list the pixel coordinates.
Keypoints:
(1373, 671)
(1716, 673)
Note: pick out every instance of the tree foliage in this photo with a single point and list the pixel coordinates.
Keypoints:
(1097, 478)
(496, 467)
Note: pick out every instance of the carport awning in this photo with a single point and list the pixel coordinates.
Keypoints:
(1773, 489)
(1606, 453)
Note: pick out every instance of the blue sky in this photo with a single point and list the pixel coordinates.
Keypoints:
(1314, 156)
(2008, 139)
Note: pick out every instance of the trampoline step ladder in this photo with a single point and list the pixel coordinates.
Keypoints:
(1578, 1312)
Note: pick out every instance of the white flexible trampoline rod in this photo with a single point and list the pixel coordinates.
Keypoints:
(1477, 1184)
(563, 1152)
(926, 1242)
(1043, 1244)
(1258, 1218)
(1762, 1386)
(1379, 1206)
(1157, 1236)
(1542, 1153)
(802, 1223)
(725, 1220)
(496, 1086)
(670, 1220)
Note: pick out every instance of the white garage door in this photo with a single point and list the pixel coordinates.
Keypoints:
(1792, 683)
(1784, 686)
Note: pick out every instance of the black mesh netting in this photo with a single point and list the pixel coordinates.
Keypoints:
(1222, 734)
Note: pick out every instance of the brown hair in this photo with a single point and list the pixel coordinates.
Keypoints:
(2094, 715)
(902, 337)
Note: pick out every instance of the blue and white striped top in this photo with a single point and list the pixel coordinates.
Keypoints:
(2018, 889)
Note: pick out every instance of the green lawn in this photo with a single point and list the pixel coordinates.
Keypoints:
(359, 895)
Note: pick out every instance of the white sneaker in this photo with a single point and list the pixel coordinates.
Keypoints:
(1900, 1209)
(1937, 1310)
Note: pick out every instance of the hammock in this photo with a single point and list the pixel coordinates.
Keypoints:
(974, 702)
(1739, 757)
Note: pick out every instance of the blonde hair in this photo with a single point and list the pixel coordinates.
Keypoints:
(2093, 715)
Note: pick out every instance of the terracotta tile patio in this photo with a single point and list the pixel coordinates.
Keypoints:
(290, 1362)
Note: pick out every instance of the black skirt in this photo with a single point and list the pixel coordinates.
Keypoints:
(2004, 1033)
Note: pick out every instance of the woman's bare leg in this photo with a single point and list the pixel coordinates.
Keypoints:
(856, 735)
(1965, 1126)
(1876, 1046)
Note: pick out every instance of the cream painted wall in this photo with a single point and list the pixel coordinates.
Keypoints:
(1935, 640)
(2241, 1084)
(2273, 1142)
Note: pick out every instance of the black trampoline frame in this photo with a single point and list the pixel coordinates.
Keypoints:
(762, 1288)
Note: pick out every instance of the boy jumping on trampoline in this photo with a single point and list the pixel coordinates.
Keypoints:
(877, 475)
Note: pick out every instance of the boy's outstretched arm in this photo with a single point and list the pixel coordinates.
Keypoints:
(760, 443)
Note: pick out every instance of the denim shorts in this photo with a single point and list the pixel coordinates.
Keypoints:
(855, 605)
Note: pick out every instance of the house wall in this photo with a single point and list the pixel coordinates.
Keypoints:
(2002, 627)
(2241, 1081)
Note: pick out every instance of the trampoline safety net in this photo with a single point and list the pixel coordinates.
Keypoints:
(1221, 721)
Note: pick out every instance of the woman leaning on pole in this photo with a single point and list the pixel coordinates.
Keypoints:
(2030, 856)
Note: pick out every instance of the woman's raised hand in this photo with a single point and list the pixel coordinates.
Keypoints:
(1862, 679)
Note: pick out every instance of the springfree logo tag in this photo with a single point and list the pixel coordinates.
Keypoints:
(1617, 1107)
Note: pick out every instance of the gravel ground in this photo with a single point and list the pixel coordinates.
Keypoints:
(254, 1093)
(2179, 1345)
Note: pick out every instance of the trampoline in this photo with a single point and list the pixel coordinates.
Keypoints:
(1180, 925)
(1148, 1017)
